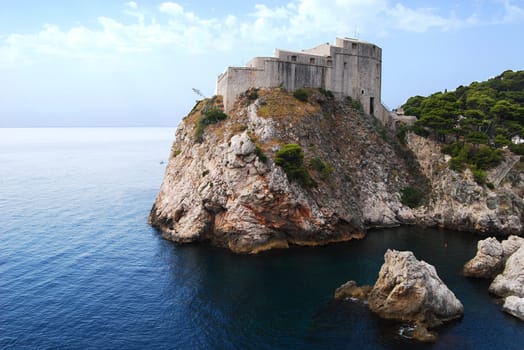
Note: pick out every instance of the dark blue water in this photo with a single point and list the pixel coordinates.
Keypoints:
(80, 268)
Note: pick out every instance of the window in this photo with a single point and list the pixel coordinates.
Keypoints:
(329, 62)
(353, 46)
(311, 60)
(293, 58)
(362, 91)
(371, 105)
(345, 64)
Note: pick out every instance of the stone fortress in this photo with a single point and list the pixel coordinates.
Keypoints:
(349, 68)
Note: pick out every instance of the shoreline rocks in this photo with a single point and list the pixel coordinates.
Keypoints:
(514, 305)
(489, 260)
(504, 261)
(511, 280)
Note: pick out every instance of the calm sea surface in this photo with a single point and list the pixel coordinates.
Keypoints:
(80, 268)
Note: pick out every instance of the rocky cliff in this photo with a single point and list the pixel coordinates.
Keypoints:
(227, 189)
(457, 202)
(222, 182)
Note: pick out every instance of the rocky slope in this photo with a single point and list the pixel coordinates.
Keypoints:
(458, 202)
(222, 183)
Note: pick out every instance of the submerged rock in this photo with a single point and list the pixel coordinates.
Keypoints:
(511, 280)
(350, 289)
(410, 290)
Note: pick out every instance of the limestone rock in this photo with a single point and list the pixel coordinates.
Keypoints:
(225, 187)
(515, 306)
(458, 202)
(511, 245)
(410, 290)
(350, 289)
(511, 280)
(489, 260)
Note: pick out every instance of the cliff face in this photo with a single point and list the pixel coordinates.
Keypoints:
(458, 202)
(222, 184)
(224, 190)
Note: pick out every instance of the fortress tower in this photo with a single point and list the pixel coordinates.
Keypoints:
(349, 68)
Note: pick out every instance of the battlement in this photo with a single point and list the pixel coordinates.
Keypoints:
(349, 68)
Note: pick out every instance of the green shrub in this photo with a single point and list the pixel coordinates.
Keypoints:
(260, 154)
(517, 149)
(411, 197)
(253, 95)
(209, 115)
(325, 169)
(479, 176)
(327, 93)
(301, 94)
(291, 158)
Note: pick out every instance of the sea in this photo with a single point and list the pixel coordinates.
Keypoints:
(80, 267)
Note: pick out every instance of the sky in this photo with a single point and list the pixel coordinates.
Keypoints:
(136, 63)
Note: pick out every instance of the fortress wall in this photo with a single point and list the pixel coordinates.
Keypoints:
(321, 50)
(351, 68)
(235, 81)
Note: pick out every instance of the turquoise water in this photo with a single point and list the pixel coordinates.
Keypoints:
(80, 268)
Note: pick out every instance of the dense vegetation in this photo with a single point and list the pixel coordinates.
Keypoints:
(474, 121)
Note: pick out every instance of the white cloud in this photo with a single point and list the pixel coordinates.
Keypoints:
(132, 4)
(513, 13)
(171, 8)
(179, 29)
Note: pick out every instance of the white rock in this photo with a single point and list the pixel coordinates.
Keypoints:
(409, 289)
(489, 260)
(515, 306)
(511, 280)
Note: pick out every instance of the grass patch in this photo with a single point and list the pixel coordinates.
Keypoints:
(175, 153)
(281, 104)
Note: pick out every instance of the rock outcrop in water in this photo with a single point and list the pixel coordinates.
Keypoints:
(505, 260)
(515, 306)
(511, 280)
(350, 289)
(491, 256)
(410, 290)
(407, 290)
(222, 183)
